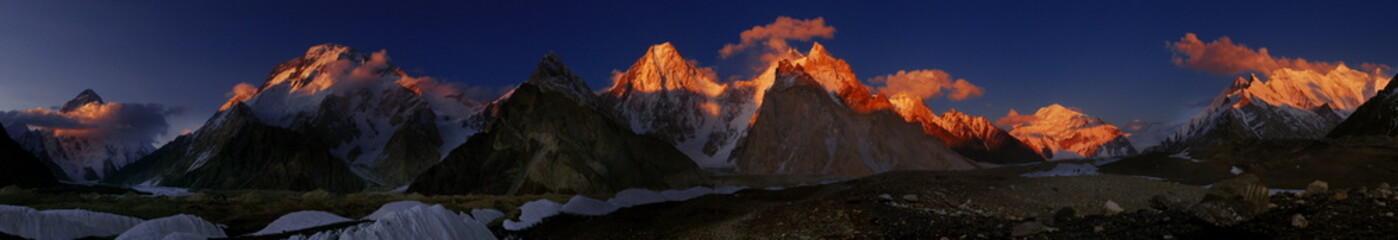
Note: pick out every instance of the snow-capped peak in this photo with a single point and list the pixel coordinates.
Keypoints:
(84, 98)
(357, 102)
(663, 68)
(1060, 132)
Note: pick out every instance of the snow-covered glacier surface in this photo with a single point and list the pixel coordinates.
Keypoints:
(299, 221)
(416, 222)
(62, 224)
(174, 227)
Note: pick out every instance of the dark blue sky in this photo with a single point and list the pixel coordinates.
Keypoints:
(1107, 58)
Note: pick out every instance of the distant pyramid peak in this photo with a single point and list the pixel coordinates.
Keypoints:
(552, 75)
(665, 49)
(663, 68)
(87, 96)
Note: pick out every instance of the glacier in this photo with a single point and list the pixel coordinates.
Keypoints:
(300, 220)
(62, 224)
(415, 222)
(586, 206)
(174, 227)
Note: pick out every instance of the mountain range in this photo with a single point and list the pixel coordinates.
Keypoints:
(345, 120)
(1292, 104)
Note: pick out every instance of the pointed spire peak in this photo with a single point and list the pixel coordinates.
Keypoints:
(553, 76)
(818, 50)
(83, 98)
(665, 48)
(662, 53)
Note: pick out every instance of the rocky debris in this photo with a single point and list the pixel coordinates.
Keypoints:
(1112, 208)
(1233, 200)
(886, 197)
(1064, 214)
(1030, 228)
(1339, 196)
(1318, 187)
(1167, 202)
(1299, 221)
(910, 198)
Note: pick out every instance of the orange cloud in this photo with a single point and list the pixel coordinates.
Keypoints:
(775, 36)
(927, 84)
(134, 121)
(241, 92)
(1222, 56)
(1013, 119)
(371, 70)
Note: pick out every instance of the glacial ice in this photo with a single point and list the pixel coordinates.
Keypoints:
(61, 224)
(415, 222)
(157, 191)
(726, 190)
(532, 213)
(178, 226)
(392, 208)
(300, 220)
(586, 206)
(687, 194)
(635, 197)
(485, 216)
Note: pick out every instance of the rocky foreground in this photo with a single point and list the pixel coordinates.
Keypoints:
(997, 204)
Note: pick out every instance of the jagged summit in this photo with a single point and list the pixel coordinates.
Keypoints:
(552, 75)
(973, 136)
(1377, 117)
(87, 96)
(1290, 104)
(663, 68)
(817, 51)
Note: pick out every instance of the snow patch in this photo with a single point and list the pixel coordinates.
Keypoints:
(299, 221)
(635, 197)
(687, 194)
(178, 226)
(1185, 155)
(1275, 191)
(62, 224)
(532, 213)
(728, 190)
(157, 191)
(586, 206)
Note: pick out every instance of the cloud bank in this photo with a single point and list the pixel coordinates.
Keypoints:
(125, 121)
(1224, 57)
(927, 83)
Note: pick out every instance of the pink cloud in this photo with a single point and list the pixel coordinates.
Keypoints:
(774, 37)
(1014, 119)
(1223, 56)
(927, 84)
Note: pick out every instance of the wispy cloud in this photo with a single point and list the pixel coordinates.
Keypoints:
(773, 38)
